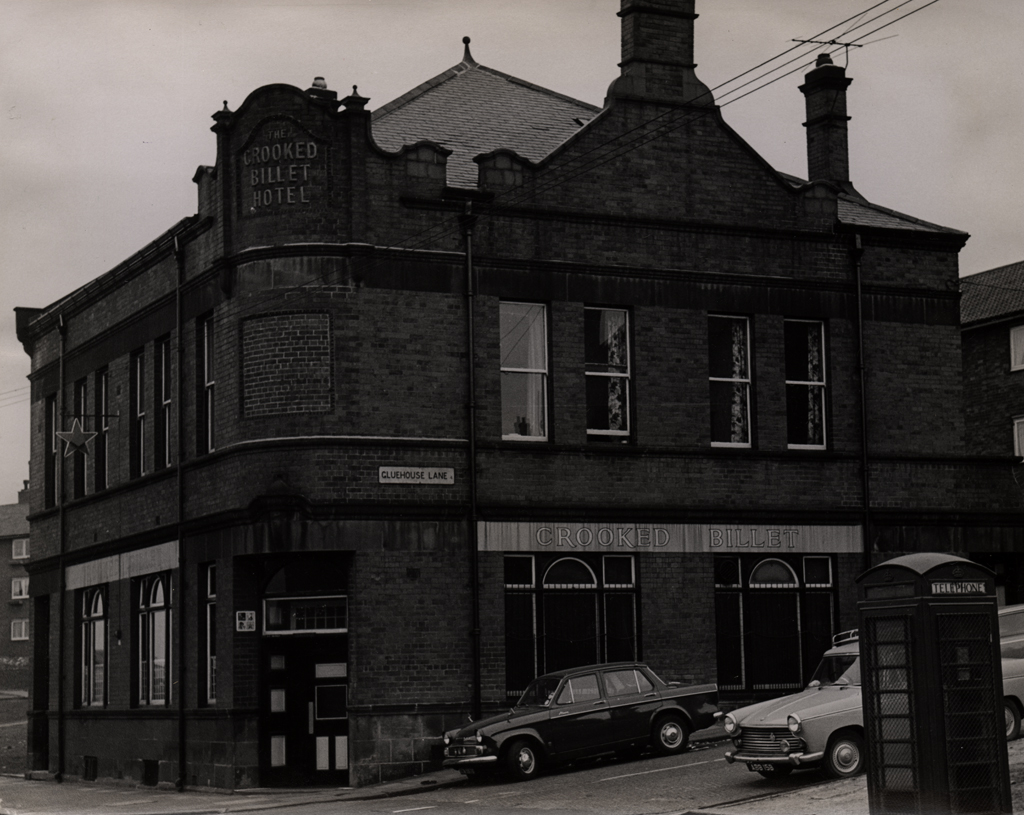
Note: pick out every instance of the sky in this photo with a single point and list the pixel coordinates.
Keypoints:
(107, 103)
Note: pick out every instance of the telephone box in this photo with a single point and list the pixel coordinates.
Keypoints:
(932, 687)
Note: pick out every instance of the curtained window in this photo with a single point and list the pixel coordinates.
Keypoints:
(524, 371)
(805, 383)
(729, 368)
(606, 343)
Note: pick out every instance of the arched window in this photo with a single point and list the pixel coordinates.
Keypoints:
(561, 612)
(154, 628)
(94, 646)
(773, 574)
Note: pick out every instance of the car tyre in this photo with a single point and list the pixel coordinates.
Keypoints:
(670, 734)
(522, 761)
(1012, 714)
(845, 755)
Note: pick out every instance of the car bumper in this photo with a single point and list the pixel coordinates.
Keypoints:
(794, 759)
(462, 762)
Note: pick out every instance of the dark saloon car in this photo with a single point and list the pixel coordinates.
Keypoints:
(618, 707)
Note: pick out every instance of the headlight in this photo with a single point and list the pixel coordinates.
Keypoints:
(731, 725)
(793, 723)
(447, 738)
(478, 737)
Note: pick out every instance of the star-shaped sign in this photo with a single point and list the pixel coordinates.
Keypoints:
(77, 438)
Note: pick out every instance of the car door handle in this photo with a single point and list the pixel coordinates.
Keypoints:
(650, 695)
(602, 702)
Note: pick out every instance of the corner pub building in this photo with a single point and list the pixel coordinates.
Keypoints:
(488, 382)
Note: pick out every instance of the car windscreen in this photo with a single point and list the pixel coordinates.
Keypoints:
(540, 692)
(839, 666)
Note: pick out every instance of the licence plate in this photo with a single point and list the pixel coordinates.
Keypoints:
(760, 767)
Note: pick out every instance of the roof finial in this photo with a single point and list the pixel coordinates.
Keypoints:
(466, 56)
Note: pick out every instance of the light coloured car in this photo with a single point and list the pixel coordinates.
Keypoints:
(823, 725)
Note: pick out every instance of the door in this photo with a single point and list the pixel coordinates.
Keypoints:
(632, 701)
(580, 722)
(304, 736)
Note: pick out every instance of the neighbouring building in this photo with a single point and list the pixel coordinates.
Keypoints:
(992, 334)
(15, 629)
(486, 382)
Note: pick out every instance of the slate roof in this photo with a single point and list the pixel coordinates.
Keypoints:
(992, 294)
(14, 520)
(858, 212)
(471, 109)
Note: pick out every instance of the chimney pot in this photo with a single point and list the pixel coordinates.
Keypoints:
(824, 90)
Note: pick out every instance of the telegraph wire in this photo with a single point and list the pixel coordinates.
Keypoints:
(575, 166)
(614, 148)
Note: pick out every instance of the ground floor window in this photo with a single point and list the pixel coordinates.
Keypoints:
(93, 646)
(775, 617)
(566, 611)
(154, 639)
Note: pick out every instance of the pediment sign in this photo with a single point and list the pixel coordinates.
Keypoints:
(281, 167)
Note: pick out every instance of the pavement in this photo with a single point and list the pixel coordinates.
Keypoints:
(22, 796)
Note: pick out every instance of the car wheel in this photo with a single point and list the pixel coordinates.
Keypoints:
(1012, 715)
(845, 755)
(670, 734)
(780, 771)
(522, 761)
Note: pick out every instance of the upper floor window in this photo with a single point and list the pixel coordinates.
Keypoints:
(80, 411)
(730, 379)
(50, 442)
(1017, 348)
(606, 344)
(102, 430)
(805, 383)
(1018, 436)
(19, 588)
(19, 630)
(207, 383)
(137, 408)
(524, 371)
(19, 548)
(162, 436)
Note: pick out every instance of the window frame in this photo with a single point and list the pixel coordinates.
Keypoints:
(137, 411)
(1018, 435)
(163, 389)
(149, 644)
(23, 543)
(51, 475)
(544, 373)
(20, 623)
(80, 395)
(747, 382)
(100, 443)
(93, 629)
(19, 588)
(210, 634)
(1017, 348)
(822, 385)
(206, 381)
(599, 435)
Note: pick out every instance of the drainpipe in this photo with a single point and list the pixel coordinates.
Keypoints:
(179, 258)
(468, 221)
(865, 474)
(58, 474)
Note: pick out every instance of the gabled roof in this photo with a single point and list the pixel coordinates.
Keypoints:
(471, 110)
(989, 295)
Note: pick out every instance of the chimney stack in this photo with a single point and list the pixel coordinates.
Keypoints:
(657, 54)
(828, 156)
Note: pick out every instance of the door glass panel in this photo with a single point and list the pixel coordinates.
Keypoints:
(620, 683)
(277, 662)
(277, 755)
(277, 701)
(323, 761)
(332, 670)
(341, 752)
(331, 702)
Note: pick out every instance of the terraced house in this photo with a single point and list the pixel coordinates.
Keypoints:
(484, 382)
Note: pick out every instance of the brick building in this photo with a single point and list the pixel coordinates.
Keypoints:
(15, 631)
(487, 382)
(992, 330)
